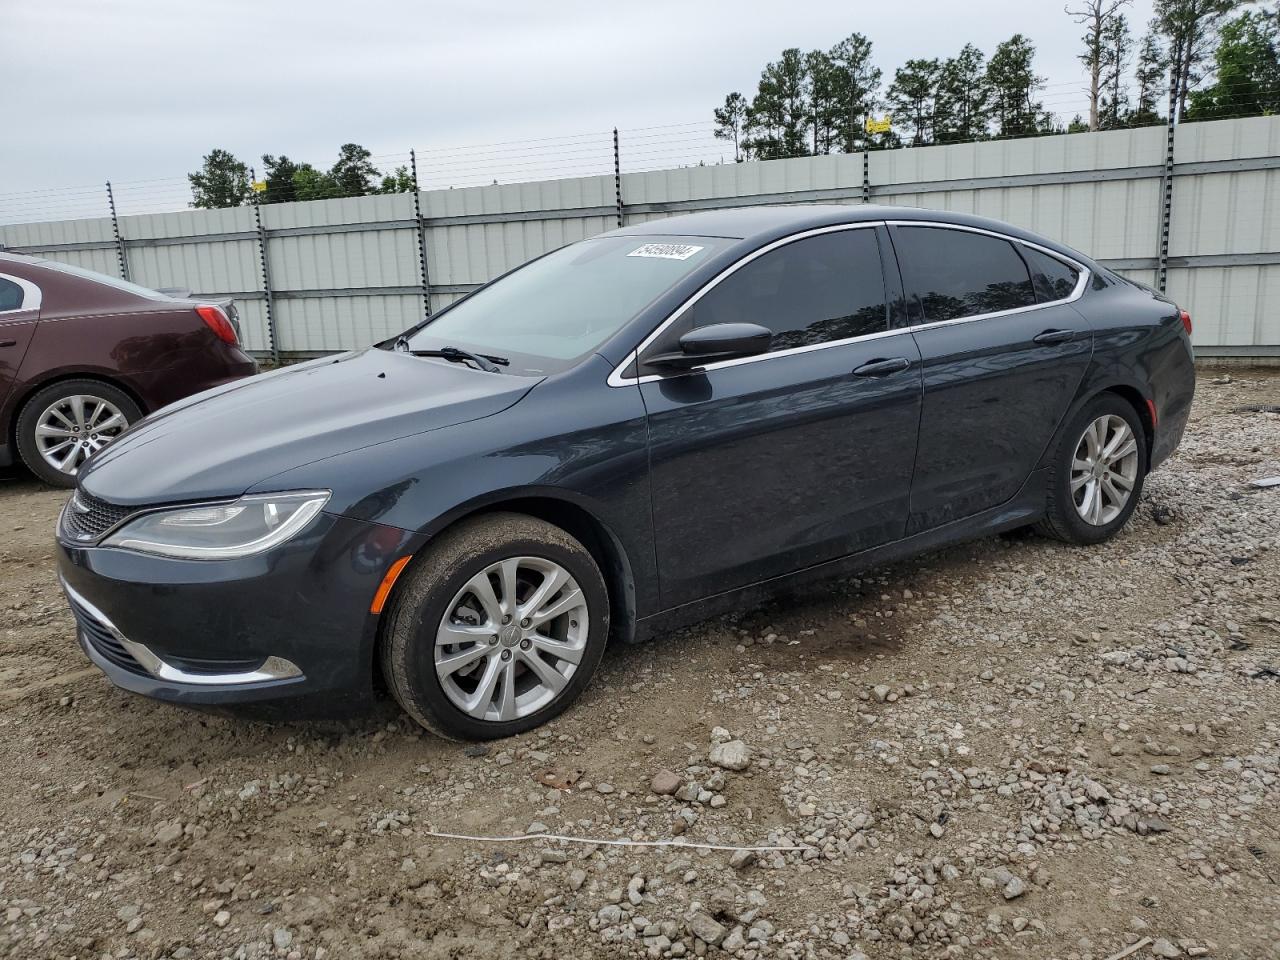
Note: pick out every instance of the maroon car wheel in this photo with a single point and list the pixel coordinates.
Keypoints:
(66, 423)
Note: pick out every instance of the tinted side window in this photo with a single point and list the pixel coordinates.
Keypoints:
(1054, 280)
(957, 274)
(10, 295)
(823, 288)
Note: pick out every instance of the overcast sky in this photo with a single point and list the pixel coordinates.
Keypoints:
(136, 90)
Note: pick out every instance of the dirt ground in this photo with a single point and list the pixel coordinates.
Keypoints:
(1011, 748)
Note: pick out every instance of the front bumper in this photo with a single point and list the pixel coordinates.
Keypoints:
(286, 634)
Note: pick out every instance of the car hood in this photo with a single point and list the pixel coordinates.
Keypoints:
(222, 442)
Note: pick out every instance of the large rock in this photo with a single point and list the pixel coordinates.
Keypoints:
(733, 755)
(705, 928)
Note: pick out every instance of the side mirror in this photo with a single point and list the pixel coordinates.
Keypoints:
(720, 341)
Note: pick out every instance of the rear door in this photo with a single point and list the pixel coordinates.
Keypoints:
(1003, 353)
(19, 311)
(764, 465)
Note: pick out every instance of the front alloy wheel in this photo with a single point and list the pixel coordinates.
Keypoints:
(496, 627)
(512, 638)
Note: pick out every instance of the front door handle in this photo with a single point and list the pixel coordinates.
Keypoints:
(8, 343)
(882, 368)
(1055, 336)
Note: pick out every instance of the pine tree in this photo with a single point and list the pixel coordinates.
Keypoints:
(1114, 108)
(731, 122)
(354, 174)
(780, 109)
(1191, 28)
(912, 97)
(856, 83)
(824, 87)
(1097, 17)
(1247, 70)
(1013, 85)
(963, 98)
(1149, 75)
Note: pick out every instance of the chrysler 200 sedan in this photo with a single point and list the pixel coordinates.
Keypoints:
(638, 430)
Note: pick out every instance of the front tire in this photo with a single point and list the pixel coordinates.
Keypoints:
(1097, 472)
(65, 423)
(498, 628)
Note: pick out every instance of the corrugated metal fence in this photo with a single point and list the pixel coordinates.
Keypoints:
(337, 274)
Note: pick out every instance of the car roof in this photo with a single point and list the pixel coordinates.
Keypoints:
(762, 224)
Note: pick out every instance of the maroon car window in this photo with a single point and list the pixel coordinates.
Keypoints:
(10, 295)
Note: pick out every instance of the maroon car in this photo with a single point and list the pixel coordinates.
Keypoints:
(84, 355)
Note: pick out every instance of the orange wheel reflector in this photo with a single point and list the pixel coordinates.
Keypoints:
(389, 581)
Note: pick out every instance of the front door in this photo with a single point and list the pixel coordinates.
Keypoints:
(1003, 357)
(766, 465)
(18, 316)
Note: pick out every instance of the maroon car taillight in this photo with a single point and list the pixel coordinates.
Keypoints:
(1186, 322)
(218, 322)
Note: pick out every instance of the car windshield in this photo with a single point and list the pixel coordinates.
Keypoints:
(550, 313)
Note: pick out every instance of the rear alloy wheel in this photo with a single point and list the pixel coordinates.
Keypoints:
(63, 425)
(1098, 471)
(499, 628)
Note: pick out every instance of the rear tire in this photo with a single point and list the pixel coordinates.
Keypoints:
(67, 422)
(498, 628)
(1097, 472)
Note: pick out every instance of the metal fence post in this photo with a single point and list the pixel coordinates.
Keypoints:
(866, 176)
(422, 235)
(1166, 211)
(115, 229)
(617, 176)
(272, 344)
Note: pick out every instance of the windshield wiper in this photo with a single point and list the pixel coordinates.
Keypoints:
(457, 355)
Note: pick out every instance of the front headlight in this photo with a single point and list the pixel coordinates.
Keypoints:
(221, 531)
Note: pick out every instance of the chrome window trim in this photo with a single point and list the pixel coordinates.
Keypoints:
(31, 295)
(616, 379)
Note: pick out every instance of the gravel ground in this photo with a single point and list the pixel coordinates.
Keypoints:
(1011, 748)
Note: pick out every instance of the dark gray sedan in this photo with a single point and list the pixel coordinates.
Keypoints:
(632, 432)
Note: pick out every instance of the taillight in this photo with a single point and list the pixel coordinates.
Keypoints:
(1186, 322)
(218, 323)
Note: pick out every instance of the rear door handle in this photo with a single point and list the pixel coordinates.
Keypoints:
(882, 368)
(1055, 336)
(8, 343)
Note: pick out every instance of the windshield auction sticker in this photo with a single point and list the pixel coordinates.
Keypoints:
(665, 251)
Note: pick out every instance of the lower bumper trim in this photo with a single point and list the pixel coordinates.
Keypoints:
(272, 668)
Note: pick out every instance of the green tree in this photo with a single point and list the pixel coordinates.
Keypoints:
(1149, 75)
(912, 99)
(856, 85)
(963, 98)
(354, 174)
(399, 180)
(1097, 16)
(731, 122)
(1013, 84)
(1114, 108)
(1191, 29)
(222, 181)
(1078, 124)
(312, 184)
(824, 90)
(1247, 67)
(780, 110)
(278, 173)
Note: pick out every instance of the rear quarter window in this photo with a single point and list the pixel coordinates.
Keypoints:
(1053, 279)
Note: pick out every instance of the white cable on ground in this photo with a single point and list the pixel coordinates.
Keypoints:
(613, 843)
